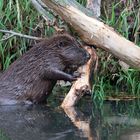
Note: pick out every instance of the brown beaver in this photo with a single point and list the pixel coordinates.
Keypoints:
(32, 77)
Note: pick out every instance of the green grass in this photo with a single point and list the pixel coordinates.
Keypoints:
(20, 16)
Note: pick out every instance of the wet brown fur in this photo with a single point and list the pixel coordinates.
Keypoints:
(33, 76)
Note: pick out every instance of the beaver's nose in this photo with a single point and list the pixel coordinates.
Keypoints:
(88, 55)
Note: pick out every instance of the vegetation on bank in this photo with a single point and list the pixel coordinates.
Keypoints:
(111, 78)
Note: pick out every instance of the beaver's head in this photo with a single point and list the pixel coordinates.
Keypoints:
(71, 52)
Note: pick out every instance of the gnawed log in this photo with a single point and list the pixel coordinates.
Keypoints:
(96, 33)
(83, 84)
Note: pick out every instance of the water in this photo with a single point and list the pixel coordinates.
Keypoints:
(110, 121)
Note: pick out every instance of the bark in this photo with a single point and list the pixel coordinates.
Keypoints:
(95, 32)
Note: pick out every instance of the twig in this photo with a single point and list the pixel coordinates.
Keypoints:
(19, 34)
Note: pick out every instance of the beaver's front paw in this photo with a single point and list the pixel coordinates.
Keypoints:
(76, 74)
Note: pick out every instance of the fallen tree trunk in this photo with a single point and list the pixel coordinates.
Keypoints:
(94, 32)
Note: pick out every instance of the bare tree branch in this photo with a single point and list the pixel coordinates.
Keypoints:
(18, 34)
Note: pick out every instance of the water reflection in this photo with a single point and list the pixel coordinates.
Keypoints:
(109, 121)
(81, 122)
(34, 123)
(131, 136)
(39, 123)
(118, 120)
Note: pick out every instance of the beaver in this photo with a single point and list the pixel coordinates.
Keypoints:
(31, 78)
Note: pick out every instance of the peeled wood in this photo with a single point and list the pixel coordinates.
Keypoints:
(96, 33)
(83, 84)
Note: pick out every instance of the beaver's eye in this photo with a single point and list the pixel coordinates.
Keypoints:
(61, 44)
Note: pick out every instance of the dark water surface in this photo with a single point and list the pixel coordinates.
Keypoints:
(110, 121)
